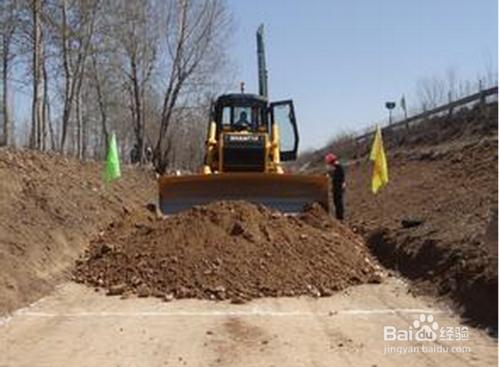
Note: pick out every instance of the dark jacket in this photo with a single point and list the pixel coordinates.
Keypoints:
(338, 178)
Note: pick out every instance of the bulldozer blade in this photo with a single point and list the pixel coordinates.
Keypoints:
(285, 192)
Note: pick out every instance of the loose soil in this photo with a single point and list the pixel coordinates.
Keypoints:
(227, 250)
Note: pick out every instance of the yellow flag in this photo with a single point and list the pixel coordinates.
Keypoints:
(377, 155)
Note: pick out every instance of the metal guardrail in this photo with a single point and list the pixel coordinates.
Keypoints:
(479, 96)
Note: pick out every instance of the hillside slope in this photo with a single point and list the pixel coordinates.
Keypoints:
(50, 206)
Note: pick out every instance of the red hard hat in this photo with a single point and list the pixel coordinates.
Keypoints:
(330, 158)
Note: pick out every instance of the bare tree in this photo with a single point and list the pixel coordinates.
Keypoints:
(37, 107)
(136, 68)
(451, 81)
(431, 92)
(195, 30)
(490, 71)
(8, 22)
(135, 33)
(190, 129)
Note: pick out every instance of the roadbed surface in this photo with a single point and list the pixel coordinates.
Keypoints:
(77, 326)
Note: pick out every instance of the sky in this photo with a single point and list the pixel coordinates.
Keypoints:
(340, 61)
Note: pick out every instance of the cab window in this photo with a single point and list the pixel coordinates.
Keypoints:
(226, 116)
(283, 115)
(243, 117)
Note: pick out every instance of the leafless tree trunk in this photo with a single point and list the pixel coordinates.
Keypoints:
(137, 108)
(8, 20)
(45, 103)
(85, 137)
(46, 111)
(37, 107)
(5, 94)
(78, 102)
(101, 103)
(79, 137)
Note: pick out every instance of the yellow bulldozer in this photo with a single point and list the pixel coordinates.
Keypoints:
(248, 139)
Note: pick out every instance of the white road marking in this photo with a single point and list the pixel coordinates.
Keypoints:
(265, 313)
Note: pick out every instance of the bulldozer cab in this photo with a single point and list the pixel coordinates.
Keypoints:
(241, 112)
(252, 114)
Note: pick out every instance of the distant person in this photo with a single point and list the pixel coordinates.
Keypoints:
(149, 154)
(337, 175)
(134, 154)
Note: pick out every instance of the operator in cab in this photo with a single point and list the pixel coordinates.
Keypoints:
(242, 122)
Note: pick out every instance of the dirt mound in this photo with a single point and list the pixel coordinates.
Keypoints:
(49, 208)
(227, 250)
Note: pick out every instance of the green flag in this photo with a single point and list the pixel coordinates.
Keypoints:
(112, 171)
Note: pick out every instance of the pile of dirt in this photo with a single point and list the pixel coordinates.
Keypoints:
(50, 206)
(227, 250)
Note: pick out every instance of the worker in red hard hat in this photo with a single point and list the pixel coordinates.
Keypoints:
(337, 175)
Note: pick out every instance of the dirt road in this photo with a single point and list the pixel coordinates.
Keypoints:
(76, 326)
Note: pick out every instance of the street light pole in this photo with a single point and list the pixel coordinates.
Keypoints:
(390, 106)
